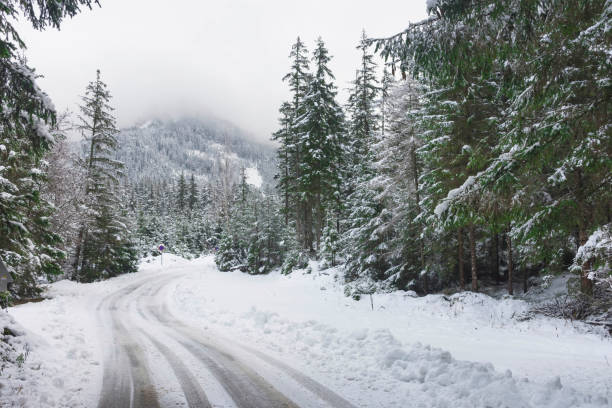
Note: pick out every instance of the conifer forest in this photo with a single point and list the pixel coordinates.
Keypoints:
(454, 194)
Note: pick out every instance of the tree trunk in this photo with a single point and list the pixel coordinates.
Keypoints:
(286, 188)
(586, 285)
(78, 251)
(510, 289)
(473, 258)
(320, 217)
(308, 235)
(460, 248)
(496, 269)
(415, 178)
(525, 276)
(299, 229)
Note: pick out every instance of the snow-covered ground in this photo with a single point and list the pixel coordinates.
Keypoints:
(467, 350)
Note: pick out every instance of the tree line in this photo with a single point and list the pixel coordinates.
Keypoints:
(480, 155)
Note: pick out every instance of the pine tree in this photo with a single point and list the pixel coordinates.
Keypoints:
(362, 108)
(330, 247)
(284, 177)
(364, 241)
(181, 193)
(386, 84)
(29, 246)
(320, 143)
(104, 247)
(192, 200)
(298, 79)
(519, 117)
(399, 168)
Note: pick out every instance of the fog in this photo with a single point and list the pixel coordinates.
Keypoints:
(167, 59)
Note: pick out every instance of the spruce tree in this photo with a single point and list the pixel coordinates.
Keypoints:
(364, 241)
(29, 246)
(192, 200)
(285, 176)
(522, 90)
(181, 193)
(320, 143)
(104, 248)
(298, 80)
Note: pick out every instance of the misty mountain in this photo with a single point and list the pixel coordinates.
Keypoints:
(208, 148)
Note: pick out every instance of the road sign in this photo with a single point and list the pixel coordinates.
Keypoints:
(161, 248)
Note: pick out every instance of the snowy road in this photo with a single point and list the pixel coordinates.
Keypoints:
(186, 335)
(146, 338)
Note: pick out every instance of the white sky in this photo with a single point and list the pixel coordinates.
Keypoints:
(195, 57)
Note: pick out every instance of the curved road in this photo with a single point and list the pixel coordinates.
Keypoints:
(155, 360)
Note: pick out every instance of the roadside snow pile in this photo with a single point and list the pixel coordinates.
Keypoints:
(57, 365)
(24, 379)
(374, 365)
(445, 382)
(13, 353)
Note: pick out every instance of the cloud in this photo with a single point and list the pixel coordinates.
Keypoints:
(189, 57)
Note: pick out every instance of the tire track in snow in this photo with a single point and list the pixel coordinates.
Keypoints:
(245, 387)
(126, 381)
(194, 394)
(318, 389)
(313, 386)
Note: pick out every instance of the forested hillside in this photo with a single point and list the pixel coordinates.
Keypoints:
(161, 150)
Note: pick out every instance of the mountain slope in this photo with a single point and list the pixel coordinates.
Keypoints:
(209, 149)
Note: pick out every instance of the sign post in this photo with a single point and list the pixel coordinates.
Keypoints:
(5, 277)
(161, 248)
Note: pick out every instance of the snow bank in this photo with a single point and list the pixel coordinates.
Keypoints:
(373, 365)
(394, 356)
(55, 367)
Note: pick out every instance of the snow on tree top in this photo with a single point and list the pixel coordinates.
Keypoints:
(253, 177)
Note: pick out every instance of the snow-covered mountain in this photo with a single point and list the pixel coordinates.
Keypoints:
(207, 148)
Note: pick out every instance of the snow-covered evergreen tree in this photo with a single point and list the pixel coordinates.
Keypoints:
(28, 246)
(104, 247)
(364, 243)
(320, 138)
(298, 80)
(511, 80)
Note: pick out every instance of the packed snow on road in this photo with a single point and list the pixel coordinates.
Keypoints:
(185, 334)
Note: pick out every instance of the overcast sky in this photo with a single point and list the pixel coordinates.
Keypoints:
(195, 57)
